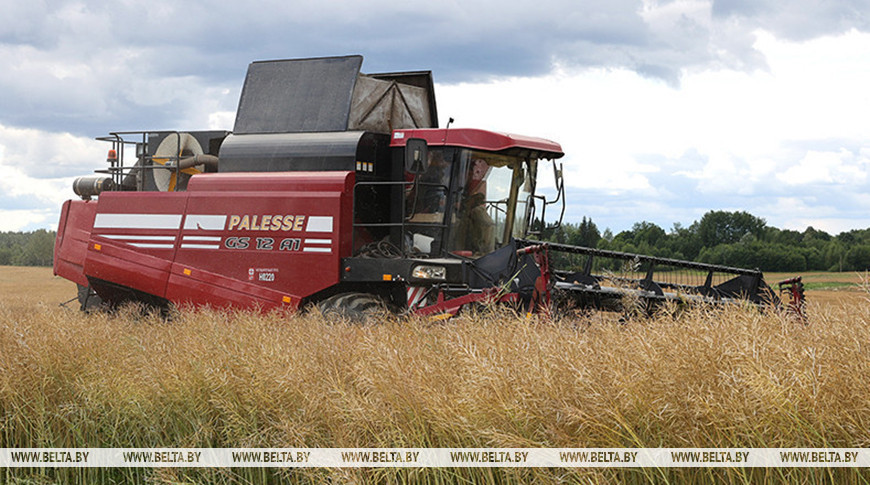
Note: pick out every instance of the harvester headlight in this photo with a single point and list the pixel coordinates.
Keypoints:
(429, 272)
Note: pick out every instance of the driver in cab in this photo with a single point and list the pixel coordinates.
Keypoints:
(476, 229)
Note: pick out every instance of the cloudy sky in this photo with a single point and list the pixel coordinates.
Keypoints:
(665, 109)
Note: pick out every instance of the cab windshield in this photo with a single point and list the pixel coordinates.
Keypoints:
(487, 203)
(493, 203)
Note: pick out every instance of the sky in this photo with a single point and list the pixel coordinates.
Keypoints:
(665, 109)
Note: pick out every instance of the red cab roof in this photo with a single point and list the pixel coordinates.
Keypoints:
(480, 140)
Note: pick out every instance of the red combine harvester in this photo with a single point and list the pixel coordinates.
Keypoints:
(337, 189)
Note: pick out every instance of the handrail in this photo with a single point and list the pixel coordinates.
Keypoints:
(404, 223)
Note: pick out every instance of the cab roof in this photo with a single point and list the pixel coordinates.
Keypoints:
(476, 139)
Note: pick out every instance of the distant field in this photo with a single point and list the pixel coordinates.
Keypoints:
(828, 288)
(28, 286)
(820, 279)
(705, 378)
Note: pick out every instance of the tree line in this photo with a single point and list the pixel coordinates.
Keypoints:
(27, 248)
(736, 239)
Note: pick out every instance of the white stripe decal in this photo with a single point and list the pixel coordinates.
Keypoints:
(319, 224)
(318, 241)
(415, 295)
(316, 250)
(136, 237)
(199, 246)
(205, 222)
(202, 238)
(152, 246)
(137, 221)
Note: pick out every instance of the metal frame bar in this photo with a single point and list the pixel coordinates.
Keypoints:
(117, 170)
(593, 252)
(443, 226)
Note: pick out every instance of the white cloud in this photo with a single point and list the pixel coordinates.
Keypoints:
(44, 155)
(221, 120)
(17, 220)
(36, 173)
(746, 136)
(39, 200)
(840, 168)
(798, 213)
(15, 183)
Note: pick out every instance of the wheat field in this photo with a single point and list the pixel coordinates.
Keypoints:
(730, 377)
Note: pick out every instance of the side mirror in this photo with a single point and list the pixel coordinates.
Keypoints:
(416, 155)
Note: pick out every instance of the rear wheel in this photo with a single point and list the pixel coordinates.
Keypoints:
(356, 307)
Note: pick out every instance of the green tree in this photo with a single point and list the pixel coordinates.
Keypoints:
(834, 255)
(722, 227)
(27, 248)
(685, 241)
(783, 236)
(858, 258)
(586, 234)
(812, 236)
(38, 249)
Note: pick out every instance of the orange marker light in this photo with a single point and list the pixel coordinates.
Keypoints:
(286, 299)
(388, 277)
(98, 247)
(187, 272)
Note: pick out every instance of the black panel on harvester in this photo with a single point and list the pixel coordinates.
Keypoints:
(294, 96)
(288, 152)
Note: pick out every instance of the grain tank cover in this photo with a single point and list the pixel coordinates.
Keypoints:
(330, 94)
(300, 95)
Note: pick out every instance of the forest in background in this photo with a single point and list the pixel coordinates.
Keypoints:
(736, 239)
(26, 248)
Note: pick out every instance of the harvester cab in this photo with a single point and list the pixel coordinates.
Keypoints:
(338, 189)
(466, 192)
